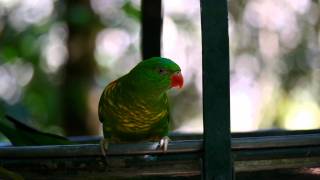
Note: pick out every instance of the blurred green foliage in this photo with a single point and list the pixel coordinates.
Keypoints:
(34, 42)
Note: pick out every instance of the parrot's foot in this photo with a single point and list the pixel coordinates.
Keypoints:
(104, 145)
(163, 144)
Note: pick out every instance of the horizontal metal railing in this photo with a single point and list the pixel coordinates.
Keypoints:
(183, 157)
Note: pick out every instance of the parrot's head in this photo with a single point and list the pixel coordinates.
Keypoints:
(157, 73)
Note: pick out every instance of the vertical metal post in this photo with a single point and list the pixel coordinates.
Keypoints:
(151, 24)
(217, 163)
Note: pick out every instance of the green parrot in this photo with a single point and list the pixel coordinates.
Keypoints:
(135, 107)
(20, 134)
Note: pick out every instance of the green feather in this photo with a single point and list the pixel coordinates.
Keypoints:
(135, 107)
(20, 134)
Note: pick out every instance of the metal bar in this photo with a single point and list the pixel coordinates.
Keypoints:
(163, 164)
(217, 163)
(273, 132)
(182, 159)
(95, 149)
(252, 144)
(140, 166)
(272, 164)
(151, 23)
(279, 158)
(275, 141)
(277, 153)
(103, 168)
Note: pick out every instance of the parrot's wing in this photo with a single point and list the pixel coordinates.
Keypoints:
(168, 109)
(161, 129)
(105, 119)
(107, 91)
(26, 135)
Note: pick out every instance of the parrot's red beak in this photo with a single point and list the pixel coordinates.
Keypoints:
(177, 80)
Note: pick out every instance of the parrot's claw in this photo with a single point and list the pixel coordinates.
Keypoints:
(104, 145)
(163, 144)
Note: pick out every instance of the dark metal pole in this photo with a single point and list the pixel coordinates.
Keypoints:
(151, 23)
(217, 163)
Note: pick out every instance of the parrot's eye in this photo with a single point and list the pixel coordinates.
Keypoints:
(162, 71)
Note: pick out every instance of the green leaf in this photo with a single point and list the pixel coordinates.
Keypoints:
(131, 11)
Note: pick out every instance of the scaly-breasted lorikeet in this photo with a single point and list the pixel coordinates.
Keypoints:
(20, 134)
(135, 107)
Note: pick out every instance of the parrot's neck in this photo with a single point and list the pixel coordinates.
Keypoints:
(144, 90)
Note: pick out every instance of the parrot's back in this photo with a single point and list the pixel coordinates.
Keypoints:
(129, 116)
